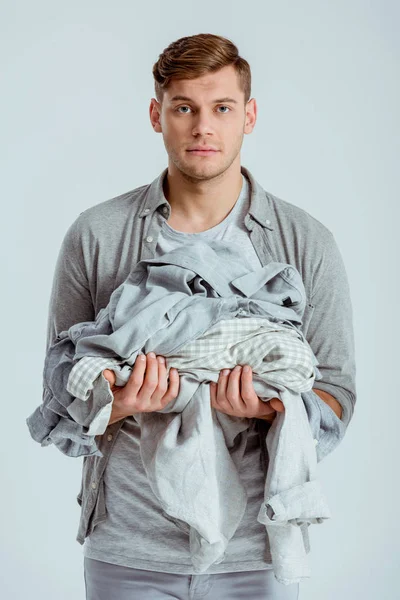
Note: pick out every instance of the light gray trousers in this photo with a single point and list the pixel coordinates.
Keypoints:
(105, 581)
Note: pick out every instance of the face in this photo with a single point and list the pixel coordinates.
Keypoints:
(212, 113)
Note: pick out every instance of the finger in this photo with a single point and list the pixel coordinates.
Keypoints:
(269, 410)
(135, 380)
(162, 380)
(110, 376)
(173, 387)
(233, 389)
(277, 404)
(213, 393)
(222, 386)
(150, 381)
(247, 392)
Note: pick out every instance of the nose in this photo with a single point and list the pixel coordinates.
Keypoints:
(202, 124)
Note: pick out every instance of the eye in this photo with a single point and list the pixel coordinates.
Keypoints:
(222, 106)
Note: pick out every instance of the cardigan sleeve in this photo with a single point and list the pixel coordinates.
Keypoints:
(331, 337)
(70, 303)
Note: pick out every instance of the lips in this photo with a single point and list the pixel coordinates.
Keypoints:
(203, 151)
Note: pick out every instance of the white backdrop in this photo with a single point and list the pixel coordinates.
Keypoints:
(75, 131)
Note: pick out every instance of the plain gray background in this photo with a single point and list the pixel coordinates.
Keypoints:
(75, 130)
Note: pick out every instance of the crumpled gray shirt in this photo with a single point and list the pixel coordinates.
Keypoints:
(164, 304)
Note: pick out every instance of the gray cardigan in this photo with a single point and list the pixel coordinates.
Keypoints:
(106, 240)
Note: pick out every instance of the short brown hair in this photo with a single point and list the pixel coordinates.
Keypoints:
(193, 56)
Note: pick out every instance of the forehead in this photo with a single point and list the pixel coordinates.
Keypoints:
(223, 82)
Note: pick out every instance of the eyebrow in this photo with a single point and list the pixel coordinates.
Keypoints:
(187, 99)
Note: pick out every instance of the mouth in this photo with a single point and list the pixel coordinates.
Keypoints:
(203, 152)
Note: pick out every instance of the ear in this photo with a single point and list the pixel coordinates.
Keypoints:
(155, 115)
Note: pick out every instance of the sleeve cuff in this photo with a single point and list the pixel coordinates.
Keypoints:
(94, 413)
(326, 427)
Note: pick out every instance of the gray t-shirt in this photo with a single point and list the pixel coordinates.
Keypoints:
(136, 534)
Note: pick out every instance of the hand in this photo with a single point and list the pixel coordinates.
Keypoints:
(146, 390)
(235, 395)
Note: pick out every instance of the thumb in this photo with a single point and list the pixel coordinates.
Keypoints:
(277, 405)
(110, 376)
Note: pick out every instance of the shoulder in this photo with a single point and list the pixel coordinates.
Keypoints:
(99, 229)
(293, 217)
(103, 223)
(303, 241)
(111, 212)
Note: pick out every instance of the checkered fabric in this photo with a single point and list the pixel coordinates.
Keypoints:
(277, 350)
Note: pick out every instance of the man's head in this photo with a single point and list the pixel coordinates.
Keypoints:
(214, 86)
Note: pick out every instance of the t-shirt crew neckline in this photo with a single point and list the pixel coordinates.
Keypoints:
(174, 233)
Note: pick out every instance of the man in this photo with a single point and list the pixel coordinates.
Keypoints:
(202, 111)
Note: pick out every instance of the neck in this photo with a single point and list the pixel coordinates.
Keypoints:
(205, 201)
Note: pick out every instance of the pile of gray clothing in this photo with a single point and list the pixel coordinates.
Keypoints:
(204, 311)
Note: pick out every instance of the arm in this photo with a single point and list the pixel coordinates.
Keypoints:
(330, 404)
(70, 303)
(70, 297)
(330, 401)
